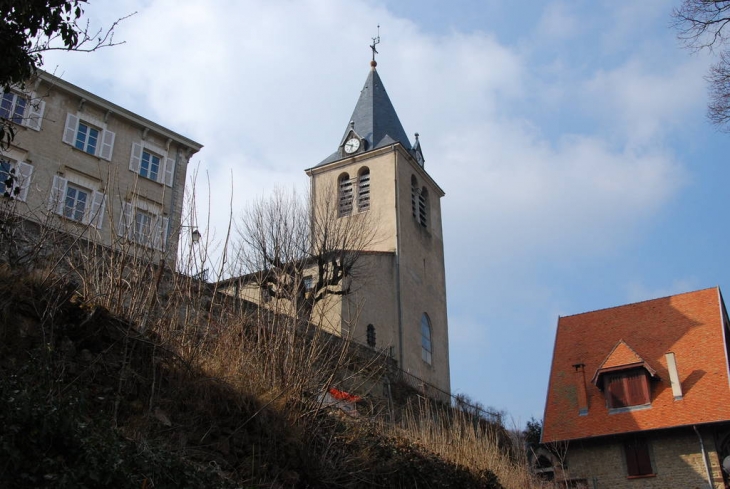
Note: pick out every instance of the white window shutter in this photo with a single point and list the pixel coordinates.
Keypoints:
(136, 158)
(58, 194)
(96, 216)
(107, 145)
(169, 171)
(35, 114)
(125, 221)
(69, 133)
(24, 172)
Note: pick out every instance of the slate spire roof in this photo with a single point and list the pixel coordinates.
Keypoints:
(374, 119)
(374, 116)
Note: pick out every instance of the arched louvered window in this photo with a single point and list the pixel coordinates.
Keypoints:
(345, 195)
(414, 196)
(370, 336)
(426, 347)
(363, 189)
(423, 207)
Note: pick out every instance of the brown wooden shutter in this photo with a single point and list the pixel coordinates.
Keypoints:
(638, 462)
(636, 389)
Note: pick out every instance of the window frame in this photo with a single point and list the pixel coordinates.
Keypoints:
(84, 137)
(426, 339)
(149, 160)
(370, 337)
(73, 212)
(12, 111)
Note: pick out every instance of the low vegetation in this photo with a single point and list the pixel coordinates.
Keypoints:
(116, 372)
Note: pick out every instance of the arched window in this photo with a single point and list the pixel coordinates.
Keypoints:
(363, 189)
(370, 336)
(423, 207)
(345, 195)
(426, 348)
(414, 196)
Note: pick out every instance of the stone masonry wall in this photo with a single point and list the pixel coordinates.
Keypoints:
(675, 455)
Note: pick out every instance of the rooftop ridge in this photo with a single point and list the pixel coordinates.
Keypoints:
(716, 287)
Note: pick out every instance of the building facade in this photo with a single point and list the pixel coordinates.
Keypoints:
(90, 168)
(639, 395)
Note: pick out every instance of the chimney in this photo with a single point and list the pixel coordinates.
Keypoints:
(674, 376)
(580, 380)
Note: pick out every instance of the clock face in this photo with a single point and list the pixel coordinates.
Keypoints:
(352, 145)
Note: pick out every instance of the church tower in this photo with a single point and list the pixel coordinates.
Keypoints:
(377, 175)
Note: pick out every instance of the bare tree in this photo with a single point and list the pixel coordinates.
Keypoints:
(701, 25)
(300, 251)
(31, 28)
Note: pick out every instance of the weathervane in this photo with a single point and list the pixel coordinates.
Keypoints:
(376, 41)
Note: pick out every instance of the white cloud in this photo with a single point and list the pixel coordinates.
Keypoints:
(559, 22)
(268, 88)
(642, 105)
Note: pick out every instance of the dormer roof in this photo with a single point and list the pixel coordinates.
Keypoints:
(621, 357)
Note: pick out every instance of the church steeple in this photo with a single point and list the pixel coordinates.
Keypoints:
(374, 117)
(374, 122)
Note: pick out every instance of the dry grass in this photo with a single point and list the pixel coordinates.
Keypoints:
(225, 384)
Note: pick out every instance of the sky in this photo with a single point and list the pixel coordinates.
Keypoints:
(570, 138)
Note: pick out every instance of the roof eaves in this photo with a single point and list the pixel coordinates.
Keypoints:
(118, 110)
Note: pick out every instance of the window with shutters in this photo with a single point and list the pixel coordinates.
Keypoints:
(143, 223)
(74, 199)
(152, 162)
(344, 195)
(638, 458)
(12, 107)
(89, 135)
(15, 179)
(363, 189)
(22, 109)
(627, 388)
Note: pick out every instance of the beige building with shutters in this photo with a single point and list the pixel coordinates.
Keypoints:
(86, 166)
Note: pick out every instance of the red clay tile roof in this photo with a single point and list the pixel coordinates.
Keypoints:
(690, 325)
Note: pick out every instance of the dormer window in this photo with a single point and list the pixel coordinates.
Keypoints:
(624, 379)
(627, 388)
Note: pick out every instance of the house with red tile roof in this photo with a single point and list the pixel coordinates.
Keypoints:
(639, 395)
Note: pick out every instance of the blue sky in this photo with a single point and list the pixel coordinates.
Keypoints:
(570, 138)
